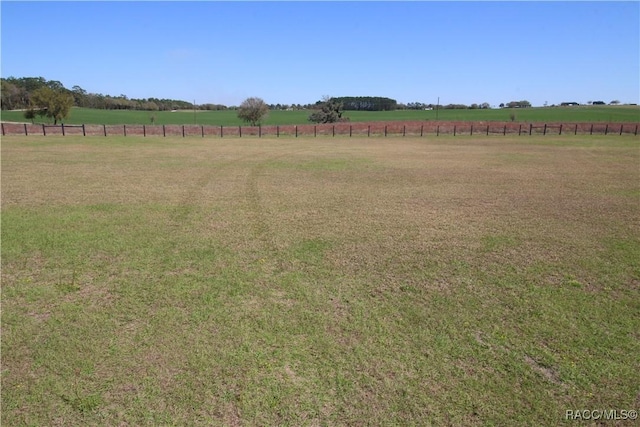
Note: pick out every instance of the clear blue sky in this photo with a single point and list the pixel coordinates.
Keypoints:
(297, 52)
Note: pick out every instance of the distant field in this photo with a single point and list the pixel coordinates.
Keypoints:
(465, 281)
(610, 114)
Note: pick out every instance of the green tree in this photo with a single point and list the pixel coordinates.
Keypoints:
(30, 114)
(253, 110)
(10, 95)
(367, 103)
(519, 104)
(54, 104)
(330, 111)
(79, 96)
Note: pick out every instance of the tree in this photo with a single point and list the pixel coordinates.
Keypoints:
(79, 95)
(11, 94)
(30, 114)
(367, 103)
(519, 104)
(253, 110)
(55, 104)
(330, 111)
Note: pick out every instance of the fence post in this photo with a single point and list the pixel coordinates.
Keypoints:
(350, 131)
(576, 131)
(606, 129)
(202, 130)
(471, 129)
(315, 133)
(240, 131)
(220, 131)
(385, 130)
(104, 128)
(544, 132)
(519, 128)
(404, 130)
(504, 132)
(560, 133)
(369, 130)
(487, 130)
(164, 131)
(144, 130)
(621, 126)
(296, 131)
(44, 131)
(25, 130)
(530, 128)
(421, 129)
(259, 131)
(454, 130)
(183, 131)
(591, 131)
(333, 131)
(636, 131)
(438, 130)
(125, 129)
(84, 133)
(2, 126)
(278, 131)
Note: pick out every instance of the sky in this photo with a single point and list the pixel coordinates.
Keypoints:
(297, 52)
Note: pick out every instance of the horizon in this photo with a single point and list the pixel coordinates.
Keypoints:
(298, 52)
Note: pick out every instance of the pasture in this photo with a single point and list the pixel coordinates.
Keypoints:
(329, 281)
(581, 114)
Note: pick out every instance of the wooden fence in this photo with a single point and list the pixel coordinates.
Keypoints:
(339, 129)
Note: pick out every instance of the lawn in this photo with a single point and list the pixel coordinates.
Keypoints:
(330, 281)
(609, 114)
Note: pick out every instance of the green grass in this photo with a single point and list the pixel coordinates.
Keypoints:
(318, 281)
(611, 114)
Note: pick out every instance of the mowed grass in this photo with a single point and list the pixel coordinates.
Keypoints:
(608, 113)
(338, 281)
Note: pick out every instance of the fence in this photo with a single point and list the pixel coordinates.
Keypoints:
(339, 129)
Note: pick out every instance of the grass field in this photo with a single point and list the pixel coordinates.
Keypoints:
(401, 281)
(610, 114)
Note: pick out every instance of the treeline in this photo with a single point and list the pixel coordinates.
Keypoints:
(17, 94)
(366, 103)
(516, 104)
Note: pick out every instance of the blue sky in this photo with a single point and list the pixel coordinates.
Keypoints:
(298, 52)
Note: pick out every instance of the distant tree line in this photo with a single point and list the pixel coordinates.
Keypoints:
(366, 103)
(18, 94)
(516, 104)
(423, 106)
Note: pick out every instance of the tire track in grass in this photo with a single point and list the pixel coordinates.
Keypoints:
(186, 205)
(192, 225)
(194, 192)
(250, 168)
(258, 215)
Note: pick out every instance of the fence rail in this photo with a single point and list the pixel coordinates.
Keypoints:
(339, 129)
